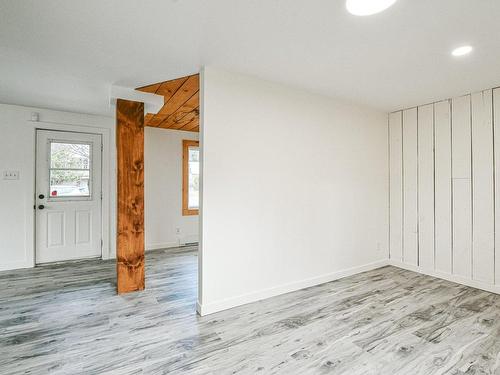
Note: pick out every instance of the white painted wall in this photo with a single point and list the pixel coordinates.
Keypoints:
(163, 190)
(163, 152)
(458, 207)
(17, 152)
(295, 189)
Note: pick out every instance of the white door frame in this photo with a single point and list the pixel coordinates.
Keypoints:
(105, 180)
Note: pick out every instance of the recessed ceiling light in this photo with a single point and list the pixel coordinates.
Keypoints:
(460, 51)
(367, 7)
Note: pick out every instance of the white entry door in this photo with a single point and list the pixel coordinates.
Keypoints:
(68, 196)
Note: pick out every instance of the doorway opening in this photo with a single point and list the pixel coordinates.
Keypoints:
(172, 173)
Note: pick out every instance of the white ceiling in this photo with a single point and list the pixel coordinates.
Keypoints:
(65, 54)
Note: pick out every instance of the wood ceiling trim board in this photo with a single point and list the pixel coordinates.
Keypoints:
(156, 120)
(189, 106)
(148, 117)
(169, 88)
(180, 118)
(191, 125)
(182, 101)
(185, 121)
(181, 96)
(172, 123)
(150, 88)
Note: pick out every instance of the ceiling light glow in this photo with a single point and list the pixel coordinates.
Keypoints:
(367, 7)
(461, 51)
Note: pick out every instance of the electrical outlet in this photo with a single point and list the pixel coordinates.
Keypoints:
(177, 230)
(11, 175)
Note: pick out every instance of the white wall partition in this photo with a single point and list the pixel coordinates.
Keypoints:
(17, 153)
(295, 189)
(457, 145)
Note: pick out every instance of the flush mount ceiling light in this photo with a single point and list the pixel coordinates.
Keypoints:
(461, 51)
(367, 7)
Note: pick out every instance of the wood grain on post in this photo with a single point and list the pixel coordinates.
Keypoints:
(130, 195)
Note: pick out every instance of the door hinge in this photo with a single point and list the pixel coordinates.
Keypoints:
(101, 243)
(101, 195)
(102, 147)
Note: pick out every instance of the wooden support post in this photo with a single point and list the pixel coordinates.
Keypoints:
(130, 182)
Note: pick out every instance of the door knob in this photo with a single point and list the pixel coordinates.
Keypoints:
(41, 207)
(41, 196)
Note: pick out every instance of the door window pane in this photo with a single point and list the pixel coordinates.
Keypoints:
(70, 170)
(69, 155)
(69, 183)
(194, 178)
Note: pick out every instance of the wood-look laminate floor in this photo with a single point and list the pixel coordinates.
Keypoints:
(67, 319)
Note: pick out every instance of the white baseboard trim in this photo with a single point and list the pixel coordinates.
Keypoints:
(190, 238)
(213, 307)
(448, 277)
(16, 265)
(165, 245)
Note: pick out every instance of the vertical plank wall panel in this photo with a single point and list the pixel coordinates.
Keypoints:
(410, 199)
(462, 187)
(496, 128)
(396, 186)
(130, 197)
(483, 238)
(442, 134)
(426, 186)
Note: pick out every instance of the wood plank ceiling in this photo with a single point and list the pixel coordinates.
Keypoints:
(181, 110)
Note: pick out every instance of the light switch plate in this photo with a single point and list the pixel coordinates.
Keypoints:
(11, 175)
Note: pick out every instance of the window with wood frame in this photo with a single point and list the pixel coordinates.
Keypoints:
(190, 177)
